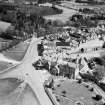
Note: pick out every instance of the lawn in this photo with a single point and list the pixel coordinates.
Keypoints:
(17, 52)
(12, 92)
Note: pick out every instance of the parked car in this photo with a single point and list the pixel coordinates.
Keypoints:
(40, 49)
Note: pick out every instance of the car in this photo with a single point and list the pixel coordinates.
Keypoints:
(40, 49)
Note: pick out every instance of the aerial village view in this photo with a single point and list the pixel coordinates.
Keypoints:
(52, 52)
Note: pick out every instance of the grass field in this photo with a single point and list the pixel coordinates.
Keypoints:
(17, 52)
(4, 65)
(68, 93)
(12, 92)
(62, 17)
(41, 10)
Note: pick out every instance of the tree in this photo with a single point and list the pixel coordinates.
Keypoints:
(99, 72)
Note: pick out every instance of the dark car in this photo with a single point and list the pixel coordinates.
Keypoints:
(40, 49)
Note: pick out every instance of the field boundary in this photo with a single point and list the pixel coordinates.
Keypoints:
(15, 65)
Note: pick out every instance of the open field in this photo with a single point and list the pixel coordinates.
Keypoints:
(41, 10)
(13, 93)
(17, 52)
(64, 16)
(4, 65)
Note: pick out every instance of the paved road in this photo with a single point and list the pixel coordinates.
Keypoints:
(25, 71)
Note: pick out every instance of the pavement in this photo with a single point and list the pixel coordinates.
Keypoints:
(27, 73)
